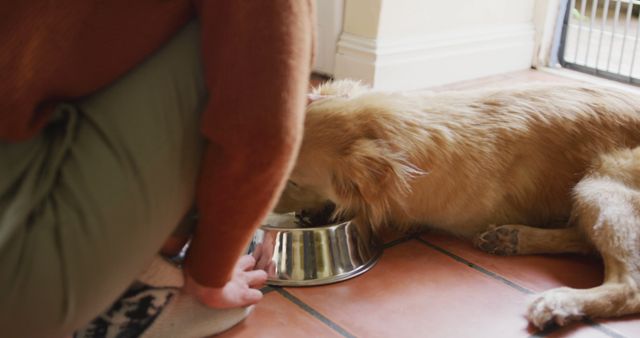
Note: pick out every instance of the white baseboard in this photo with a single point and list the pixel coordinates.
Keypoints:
(436, 59)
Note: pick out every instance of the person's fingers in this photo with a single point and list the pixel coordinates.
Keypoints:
(271, 268)
(263, 262)
(251, 296)
(260, 258)
(246, 262)
(255, 278)
(257, 252)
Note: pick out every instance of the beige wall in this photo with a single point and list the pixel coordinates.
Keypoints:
(408, 44)
(401, 18)
(407, 18)
(361, 17)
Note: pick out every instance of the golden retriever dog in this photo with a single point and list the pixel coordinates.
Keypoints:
(533, 169)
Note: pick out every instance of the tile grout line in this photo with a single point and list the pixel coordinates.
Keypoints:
(520, 288)
(307, 308)
(397, 241)
(267, 289)
(476, 267)
(313, 312)
(603, 328)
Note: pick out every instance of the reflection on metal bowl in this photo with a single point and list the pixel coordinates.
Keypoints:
(295, 255)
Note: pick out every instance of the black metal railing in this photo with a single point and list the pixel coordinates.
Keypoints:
(600, 37)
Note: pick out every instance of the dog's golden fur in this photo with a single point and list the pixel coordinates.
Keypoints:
(501, 167)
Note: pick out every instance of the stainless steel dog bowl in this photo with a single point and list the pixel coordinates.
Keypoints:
(295, 254)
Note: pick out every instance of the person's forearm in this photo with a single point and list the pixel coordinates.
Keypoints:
(233, 203)
(257, 58)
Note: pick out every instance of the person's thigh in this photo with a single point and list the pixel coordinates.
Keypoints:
(86, 204)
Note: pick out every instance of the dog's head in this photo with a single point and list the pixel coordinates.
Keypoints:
(349, 157)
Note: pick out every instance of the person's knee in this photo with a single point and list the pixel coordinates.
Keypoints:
(29, 310)
(43, 293)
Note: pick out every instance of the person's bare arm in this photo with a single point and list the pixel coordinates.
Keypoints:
(257, 57)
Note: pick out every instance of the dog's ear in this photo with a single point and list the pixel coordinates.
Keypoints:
(369, 179)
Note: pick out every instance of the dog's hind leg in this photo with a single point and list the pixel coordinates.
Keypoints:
(516, 239)
(607, 211)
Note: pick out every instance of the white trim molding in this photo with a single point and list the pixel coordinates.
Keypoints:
(435, 59)
(548, 19)
(328, 27)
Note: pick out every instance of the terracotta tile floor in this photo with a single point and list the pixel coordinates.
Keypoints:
(434, 285)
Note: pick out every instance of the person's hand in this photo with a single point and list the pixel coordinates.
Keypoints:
(241, 290)
(263, 254)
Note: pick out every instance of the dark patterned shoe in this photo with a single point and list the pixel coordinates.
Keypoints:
(131, 314)
(154, 307)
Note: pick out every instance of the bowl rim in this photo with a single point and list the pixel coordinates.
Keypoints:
(319, 227)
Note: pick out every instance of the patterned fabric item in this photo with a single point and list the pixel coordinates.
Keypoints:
(130, 315)
(154, 307)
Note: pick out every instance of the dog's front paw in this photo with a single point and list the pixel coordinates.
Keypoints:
(498, 240)
(559, 306)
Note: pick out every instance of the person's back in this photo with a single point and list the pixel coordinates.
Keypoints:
(52, 51)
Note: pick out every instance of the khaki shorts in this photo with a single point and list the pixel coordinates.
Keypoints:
(86, 204)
